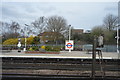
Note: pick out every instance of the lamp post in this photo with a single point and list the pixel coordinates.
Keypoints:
(118, 38)
(69, 31)
(69, 35)
(25, 37)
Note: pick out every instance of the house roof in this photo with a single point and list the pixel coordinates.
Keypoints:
(77, 30)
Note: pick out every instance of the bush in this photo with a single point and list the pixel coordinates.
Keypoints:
(52, 48)
(57, 48)
(43, 47)
(33, 49)
(48, 48)
(12, 41)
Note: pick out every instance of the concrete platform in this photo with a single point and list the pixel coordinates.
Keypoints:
(63, 54)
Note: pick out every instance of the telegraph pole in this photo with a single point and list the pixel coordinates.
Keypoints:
(94, 58)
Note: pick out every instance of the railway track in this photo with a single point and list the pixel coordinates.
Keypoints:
(55, 66)
(54, 77)
(58, 69)
(57, 60)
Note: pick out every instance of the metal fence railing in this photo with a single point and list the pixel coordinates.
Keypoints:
(107, 48)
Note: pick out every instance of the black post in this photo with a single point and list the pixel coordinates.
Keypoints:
(94, 58)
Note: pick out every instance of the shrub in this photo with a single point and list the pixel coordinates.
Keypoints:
(31, 49)
(52, 48)
(48, 48)
(35, 48)
(30, 40)
(56, 48)
(43, 47)
(12, 41)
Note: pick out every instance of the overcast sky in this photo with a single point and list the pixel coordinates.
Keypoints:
(81, 15)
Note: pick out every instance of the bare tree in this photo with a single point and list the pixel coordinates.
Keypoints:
(14, 27)
(5, 30)
(98, 30)
(22, 33)
(110, 21)
(58, 25)
(39, 25)
(5, 27)
(10, 30)
(109, 36)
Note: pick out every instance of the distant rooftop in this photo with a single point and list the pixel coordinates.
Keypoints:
(77, 31)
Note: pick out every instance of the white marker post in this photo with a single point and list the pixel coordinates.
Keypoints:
(69, 36)
(19, 45)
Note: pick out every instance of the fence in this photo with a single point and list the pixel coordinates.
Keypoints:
(107, 48)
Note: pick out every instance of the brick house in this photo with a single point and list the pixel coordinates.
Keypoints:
(50, 37)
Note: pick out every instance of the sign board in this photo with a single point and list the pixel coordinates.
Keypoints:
(19, 44)
(69, 44)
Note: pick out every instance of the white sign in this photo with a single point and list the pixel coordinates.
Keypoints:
(19, 44)
(69, 44)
